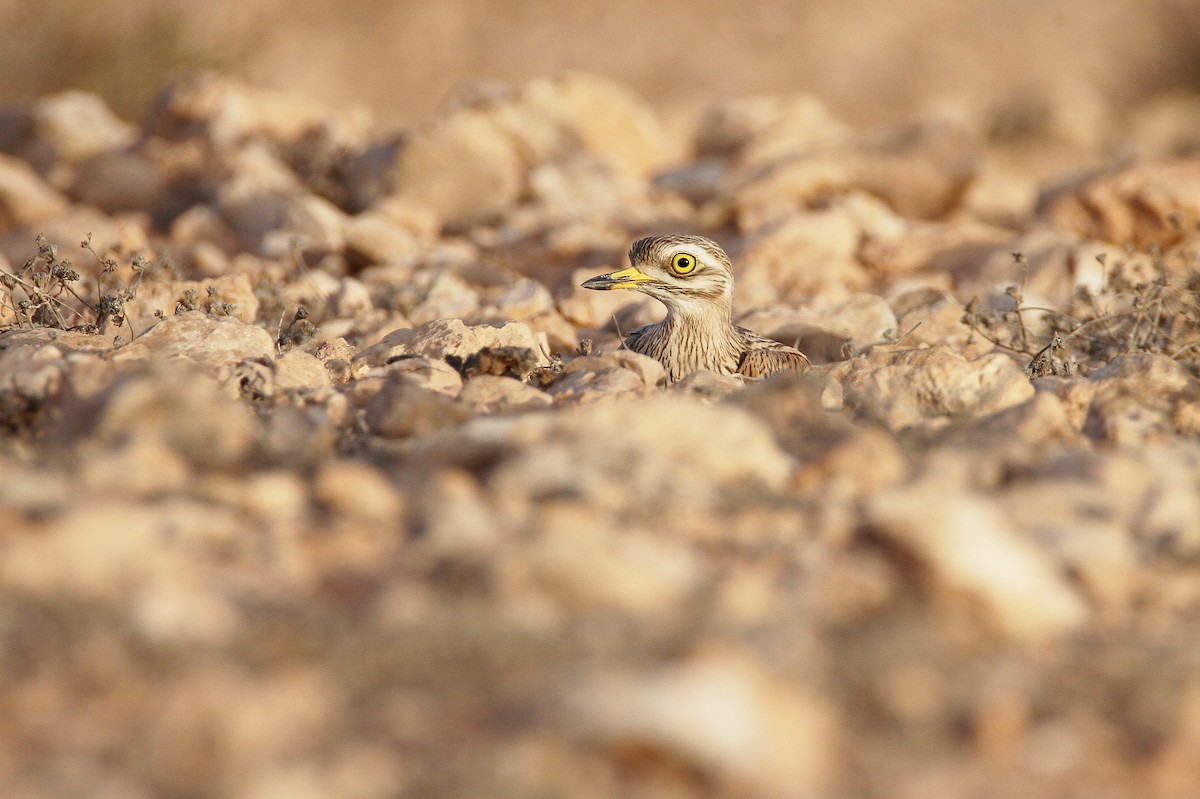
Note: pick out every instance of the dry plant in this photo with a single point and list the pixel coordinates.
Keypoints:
(1157, 313)
(46, 292)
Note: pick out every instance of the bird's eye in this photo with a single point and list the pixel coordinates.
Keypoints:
(683, 263)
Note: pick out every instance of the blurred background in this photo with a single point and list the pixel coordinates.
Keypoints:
(869, 61)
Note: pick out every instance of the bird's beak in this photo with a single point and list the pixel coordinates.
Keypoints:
(625, 279)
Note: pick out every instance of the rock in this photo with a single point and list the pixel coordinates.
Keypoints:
(463, 168)
(143, 467)
(257, 196)
(811, 256)
(608, 119)
(402, 409)
(357, 490)
(1140, 204)
(583, 563)
(932, 247)
(592, 377)
(116, 182)
(73, 125)
(309, 222)
(1142, 397)
(456, 520)
(232, 294)
(443, 337)
(911, 387)
(921, 170)
(215, 344)
(829, 335)
(227, 112)
(1036, 423)
(522, 300)
(970, 548)
(375, 238)
(763, 128)
(296, 370)
(708, 385)
(25, 198)
(623, 455)
(352, 299)
(447, 296)
(429, 373)
(63, 231)
(179, 406)
(492, 393)
(930, 317)
(718, 712)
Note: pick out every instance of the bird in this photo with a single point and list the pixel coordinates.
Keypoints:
(693, 277)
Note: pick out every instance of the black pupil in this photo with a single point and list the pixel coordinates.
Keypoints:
(684, 263)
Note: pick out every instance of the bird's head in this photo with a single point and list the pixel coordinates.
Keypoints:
(682, 272)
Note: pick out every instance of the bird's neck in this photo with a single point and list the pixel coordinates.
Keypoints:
(707, 310)
(710, 318)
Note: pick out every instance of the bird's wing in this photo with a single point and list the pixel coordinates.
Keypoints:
(634, 341)
(765, 356)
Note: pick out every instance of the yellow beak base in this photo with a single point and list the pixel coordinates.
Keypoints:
(627, 278)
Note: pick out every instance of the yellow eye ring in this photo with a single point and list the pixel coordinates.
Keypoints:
(683, 263)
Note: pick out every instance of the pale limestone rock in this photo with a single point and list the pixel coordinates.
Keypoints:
(609, 120)
(762, 128)
(492, 393)
(969, 547)
(353, 298)
(594, 377)
(402, 408)
(720, 712)
(442, 337)
(116, 182)
(911, 387)
(524, 299)
(1141, 397)
(143, 467)
(812, 255)
(462, 167)
(708, 385)
(920, 169)
(25, 198)
(447, 296)
(457, 521)
(1139, 204)
(234, 290)
(310, 223)
(429, 373)
(357, 490)
(584, 562)
(184, 408)
(228, 112)
(650, 370)
(75, 125)
(373, 237)
(297, 370)
(829, 334)
(214, 343)
(337, 356)
(931, 317)
(625, 454)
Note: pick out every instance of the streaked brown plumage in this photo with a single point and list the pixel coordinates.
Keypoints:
(693, 277)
